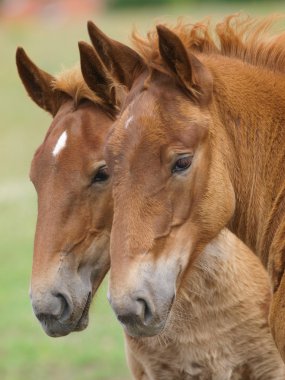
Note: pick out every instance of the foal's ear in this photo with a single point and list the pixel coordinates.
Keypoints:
(38, 83)
(124, 63)
(190, 72)
(96, 75)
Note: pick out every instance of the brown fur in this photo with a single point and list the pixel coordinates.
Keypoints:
(71, 82)
(153, 201)
(244, 38)
(246, 319)
(71, 248)
(236, 178)
(217, 328)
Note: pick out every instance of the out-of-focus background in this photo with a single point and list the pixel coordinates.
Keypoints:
(49, 31)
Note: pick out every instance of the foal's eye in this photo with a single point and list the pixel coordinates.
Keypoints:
(101, 175)
(182, 164)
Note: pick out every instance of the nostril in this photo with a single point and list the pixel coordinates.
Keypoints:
(146, 313)
(65, 306)
(134, 312)
(52, 306)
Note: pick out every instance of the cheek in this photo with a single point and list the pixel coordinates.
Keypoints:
(189, 189)
(162, 221)
(184, 195)
(95, 260)
(98, 252)
(101, 206)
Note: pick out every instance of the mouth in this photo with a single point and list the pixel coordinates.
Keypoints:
(140, 331)
(83, 320)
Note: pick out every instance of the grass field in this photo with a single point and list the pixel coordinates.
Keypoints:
(26, 353)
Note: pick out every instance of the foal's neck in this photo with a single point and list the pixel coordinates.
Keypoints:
(248, 113)
(226, 279)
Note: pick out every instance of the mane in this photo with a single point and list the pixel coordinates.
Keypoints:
(245, 38)
(71, 82)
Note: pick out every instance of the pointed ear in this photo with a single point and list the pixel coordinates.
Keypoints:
(124, 63)
(38, 83)
(189, 71)
(96, 75)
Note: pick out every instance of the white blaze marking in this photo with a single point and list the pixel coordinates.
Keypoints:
(128, 121)
(61, 142)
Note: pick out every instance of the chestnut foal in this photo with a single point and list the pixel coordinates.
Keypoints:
(71, 248)
(200, 139)
(216, 325)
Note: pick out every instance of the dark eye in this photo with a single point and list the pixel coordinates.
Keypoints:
(101, 175)
(181, 164)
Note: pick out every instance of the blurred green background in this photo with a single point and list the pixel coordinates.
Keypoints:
(26, 353)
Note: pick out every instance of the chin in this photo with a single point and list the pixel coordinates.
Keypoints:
(58, 329)
(144, 331)
(82, 324)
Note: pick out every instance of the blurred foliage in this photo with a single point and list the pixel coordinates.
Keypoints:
(156, 3)
(143, 3)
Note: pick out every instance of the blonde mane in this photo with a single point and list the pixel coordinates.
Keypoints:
(245, 38)
(71, 82)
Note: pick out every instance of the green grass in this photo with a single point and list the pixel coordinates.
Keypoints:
(25, 351)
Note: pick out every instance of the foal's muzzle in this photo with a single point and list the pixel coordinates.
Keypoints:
(59, 313)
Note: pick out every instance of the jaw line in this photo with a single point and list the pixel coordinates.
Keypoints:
(85, 311)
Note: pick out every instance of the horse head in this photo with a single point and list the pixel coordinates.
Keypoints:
(69, 173)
